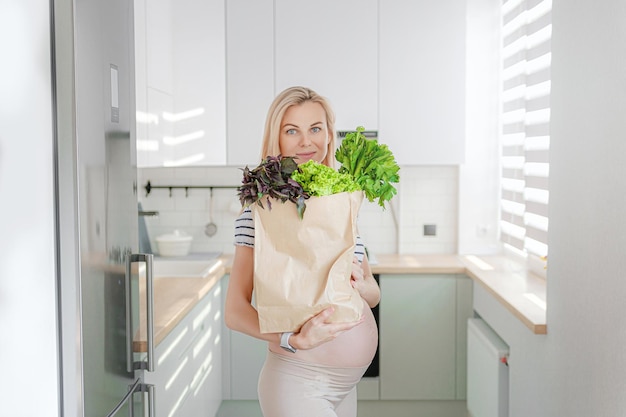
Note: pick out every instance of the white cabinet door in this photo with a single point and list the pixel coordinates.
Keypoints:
(199, 83)
(188, 363)
(250, 80)
(247, 356)
(464, 311)
(418, 337)
(332, 47)
(243, 357)
(159, 44)
(180, 60)
(422, 80)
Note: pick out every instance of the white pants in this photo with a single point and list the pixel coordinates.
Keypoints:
(289, 387)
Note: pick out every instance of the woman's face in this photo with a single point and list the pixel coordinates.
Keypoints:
(304, 133)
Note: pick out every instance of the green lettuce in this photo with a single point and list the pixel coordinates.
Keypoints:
(370, 164)
(319, 180)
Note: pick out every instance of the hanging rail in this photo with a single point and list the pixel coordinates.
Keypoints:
(149, 187)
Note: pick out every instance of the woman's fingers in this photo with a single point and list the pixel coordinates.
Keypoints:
(319, 329)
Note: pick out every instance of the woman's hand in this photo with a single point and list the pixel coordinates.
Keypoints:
(363, 281)
(318, 330)
(358, 276)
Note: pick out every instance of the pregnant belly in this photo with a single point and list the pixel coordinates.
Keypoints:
(353, 348)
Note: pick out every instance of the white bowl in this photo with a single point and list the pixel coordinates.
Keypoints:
(174, 244)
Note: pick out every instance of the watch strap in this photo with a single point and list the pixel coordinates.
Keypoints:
(284, 342)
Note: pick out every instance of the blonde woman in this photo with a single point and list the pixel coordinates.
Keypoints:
(314, 371)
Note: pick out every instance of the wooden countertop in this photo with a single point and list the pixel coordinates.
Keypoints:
(173, 299)
(521, 292)
(418, 264)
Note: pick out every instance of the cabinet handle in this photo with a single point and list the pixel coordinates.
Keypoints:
(148, 364)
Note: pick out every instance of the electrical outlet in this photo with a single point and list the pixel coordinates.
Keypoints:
(430, 230)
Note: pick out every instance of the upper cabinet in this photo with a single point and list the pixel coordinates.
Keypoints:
(180, 82)
(329, 46)
(250, 81)
(207, 72)
(422, 80)
(332, 47)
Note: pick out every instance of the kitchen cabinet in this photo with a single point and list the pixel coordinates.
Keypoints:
(422, 341)
(332, 47)
(243, 359)
(394, 66)
(250, 80)
(180, 82)
(336, 56)
(188, 363)
(422, 81)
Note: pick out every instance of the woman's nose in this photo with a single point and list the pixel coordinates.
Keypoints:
(306, 139)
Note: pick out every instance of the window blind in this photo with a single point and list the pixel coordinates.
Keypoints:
(525, 121)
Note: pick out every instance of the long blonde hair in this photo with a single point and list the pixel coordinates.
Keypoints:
(287, 98)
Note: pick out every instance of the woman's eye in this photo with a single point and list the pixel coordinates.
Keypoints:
(291, 132)
(316, 129)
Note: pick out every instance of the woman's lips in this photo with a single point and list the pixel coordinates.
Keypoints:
(305, 156)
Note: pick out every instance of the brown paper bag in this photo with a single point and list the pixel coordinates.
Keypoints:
(302, 266)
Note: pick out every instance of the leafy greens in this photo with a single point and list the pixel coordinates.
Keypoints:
(272, 178)
(320, 180)
(365, 165)
(370, 164)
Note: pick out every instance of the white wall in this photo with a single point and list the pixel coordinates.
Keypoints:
(28, 325)
(579, 367)
(478, 176)
(587, 265)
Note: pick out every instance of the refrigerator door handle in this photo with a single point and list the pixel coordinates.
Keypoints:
(149, 388)
(129, 395)
(148, 364)
(136, 387)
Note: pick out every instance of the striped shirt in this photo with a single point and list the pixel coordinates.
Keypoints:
(244, 233)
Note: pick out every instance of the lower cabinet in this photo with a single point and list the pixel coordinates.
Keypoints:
(188, 363)
(423, 341)
(243, 359)
(422, 336)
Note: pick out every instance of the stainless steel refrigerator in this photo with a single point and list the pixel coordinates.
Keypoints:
(98, 216)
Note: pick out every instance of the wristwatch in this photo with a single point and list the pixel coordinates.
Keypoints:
(284, 342)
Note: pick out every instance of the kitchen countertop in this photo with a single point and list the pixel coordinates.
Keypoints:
(173, 299)
(521, 292)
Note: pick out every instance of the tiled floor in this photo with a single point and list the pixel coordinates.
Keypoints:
(366, 409)
(242, 408)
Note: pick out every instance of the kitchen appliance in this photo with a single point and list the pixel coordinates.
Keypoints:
(373, 371)
(94, 72)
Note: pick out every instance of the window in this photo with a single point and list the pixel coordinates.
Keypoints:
(525, 121)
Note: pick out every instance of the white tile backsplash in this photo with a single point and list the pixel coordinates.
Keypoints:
(426, 195)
